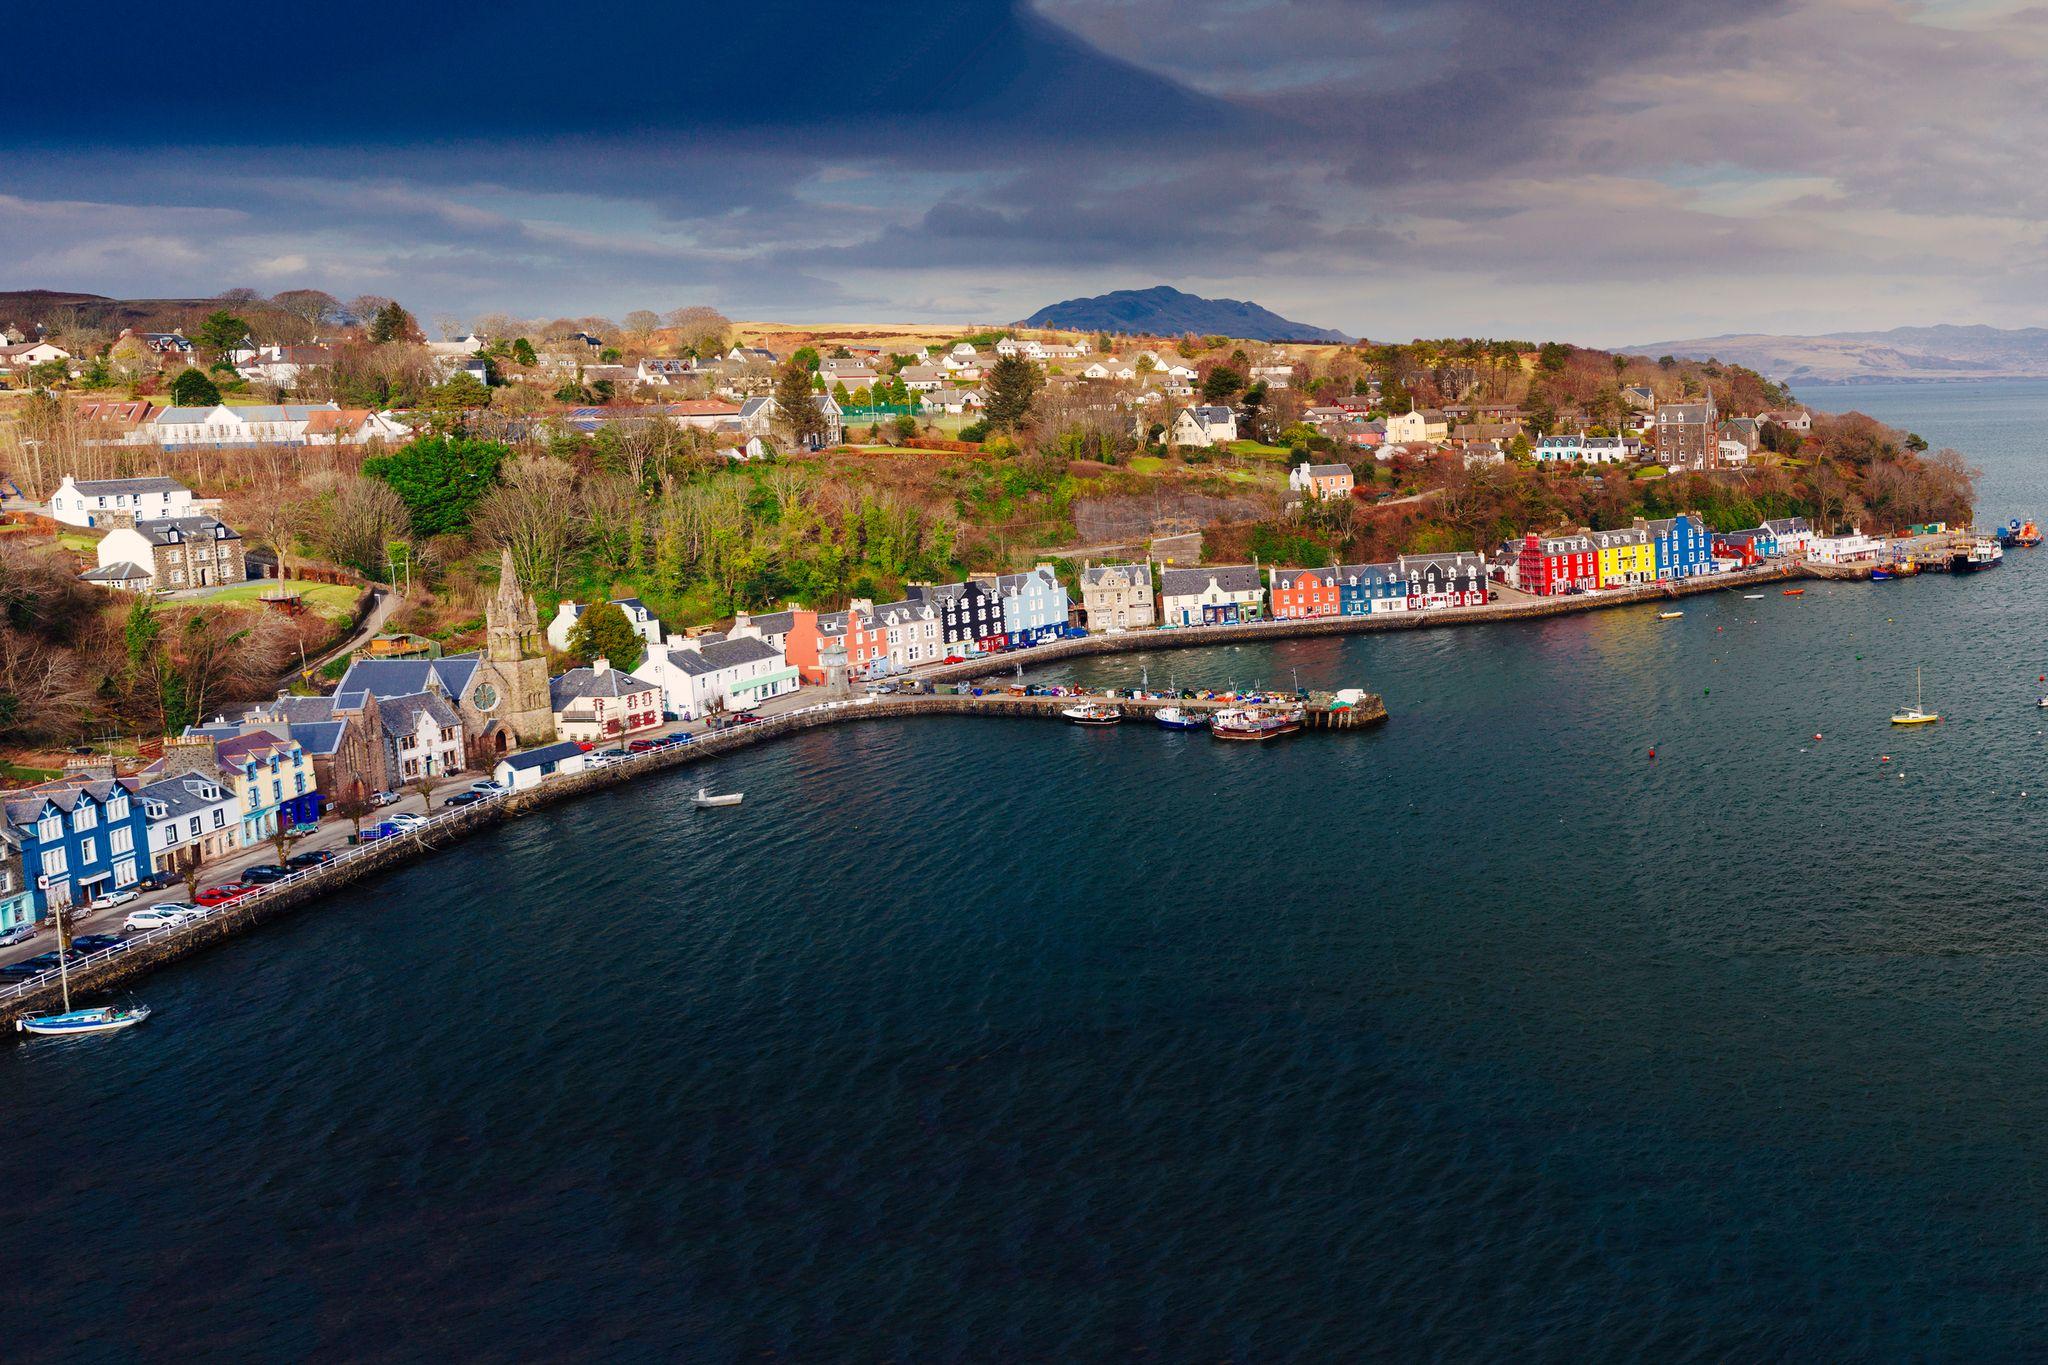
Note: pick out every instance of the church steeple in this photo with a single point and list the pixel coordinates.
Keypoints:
(512, 617)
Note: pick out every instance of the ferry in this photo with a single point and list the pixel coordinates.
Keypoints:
(1253, 722)
(1985, 553)
(1173, 718)
(1093, 713)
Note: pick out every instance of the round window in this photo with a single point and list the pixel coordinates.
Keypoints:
(485, 697)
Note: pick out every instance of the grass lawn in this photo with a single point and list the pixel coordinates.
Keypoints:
(15, 772)
(1257, 448)
(335, 601)
(1148, 464)
(79, 542)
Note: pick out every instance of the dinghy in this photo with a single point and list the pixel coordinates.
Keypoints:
(704, 800)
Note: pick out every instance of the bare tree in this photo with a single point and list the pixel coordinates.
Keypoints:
(356, 521)
(700, 329)
(533, 513)
(44, 693)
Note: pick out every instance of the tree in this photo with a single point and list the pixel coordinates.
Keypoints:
(795, 412)
(641, 323)
(192, 389)
(354, 807)
(700, 330)
(533, 514)
(221, 332)
(1012, 381)
(357, 518)
(282, 838)
(392, 323)
(522, 351)
(315, 307)
(603, 632)
(1552, 356)
(188, 862)
(440, 479)
(1222, 385)
(805, 357)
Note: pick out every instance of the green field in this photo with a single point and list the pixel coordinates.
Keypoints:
(79, 542)
(335, 601)
(1258, 449)
(15, 772)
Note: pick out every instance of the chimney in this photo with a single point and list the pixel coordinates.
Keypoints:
(600, 666)
(189, 754)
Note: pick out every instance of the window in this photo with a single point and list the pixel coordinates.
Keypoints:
(88, 851)
(117, 809)
(171, 832)
(51, 829)
(85, 817)
(124, 872)
(53, 862)
(121, 840)
(220, 817)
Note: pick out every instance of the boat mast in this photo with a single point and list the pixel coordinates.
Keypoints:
(63, 962)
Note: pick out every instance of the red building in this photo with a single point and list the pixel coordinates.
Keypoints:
(1300, 593)
(816, 639)
(1550, 565)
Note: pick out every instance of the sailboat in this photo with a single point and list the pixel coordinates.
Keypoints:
(1916, 714)
(103, 1019)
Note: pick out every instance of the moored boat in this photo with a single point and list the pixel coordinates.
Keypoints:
(705, 800)
(1255, 722)
(104, 1019)
(1173, 718)
(1669, 615)
(1093, 713)
(1916, 714)
(1881, 573)
(1795, 592)
(1984, 553)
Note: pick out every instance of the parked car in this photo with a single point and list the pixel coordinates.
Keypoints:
(399, 824)
(384, 798)
(31, 966)
(153, 917)
(640, 746)
(20, 933)
(111, 899)
(952, 659)
(266, 872)
(488, 787)
(93, 943)
(464, 799)
(312, 857)
(222, 894)
(157, 881)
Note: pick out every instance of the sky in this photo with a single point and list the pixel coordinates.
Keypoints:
(1596, 171)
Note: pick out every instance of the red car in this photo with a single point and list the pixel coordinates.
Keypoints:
(641, 746)
(952, 659)
(222, 894)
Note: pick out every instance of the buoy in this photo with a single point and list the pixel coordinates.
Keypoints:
(1816, 735)
(1884, 758)
(1653, 753)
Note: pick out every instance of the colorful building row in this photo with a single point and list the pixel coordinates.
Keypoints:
(1664, 550)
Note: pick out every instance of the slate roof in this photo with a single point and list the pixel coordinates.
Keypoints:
(774, 623)
(66, 794)
(1117, 576)
(183, 794)
(1351, 573)
(724, 654)
(452, 673)
(123, 572)
(1787, 526)
(1194, 582)
(402, 714)
(547, 753)
(255, 747)
(1329, 471)
(1289, 578)
(160, 530)
(114, 487)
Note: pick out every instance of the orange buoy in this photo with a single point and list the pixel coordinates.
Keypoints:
(1653, 753)
(1816, 734)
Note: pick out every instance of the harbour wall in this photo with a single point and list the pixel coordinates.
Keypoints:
(148, 952)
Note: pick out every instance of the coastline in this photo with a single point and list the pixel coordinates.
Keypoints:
(160, 947)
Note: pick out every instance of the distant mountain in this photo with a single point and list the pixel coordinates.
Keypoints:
(1165, 311)
(1944, 352)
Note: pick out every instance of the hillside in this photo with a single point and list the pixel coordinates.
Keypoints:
(1923, 353)
(1165, 311)
(62, 309)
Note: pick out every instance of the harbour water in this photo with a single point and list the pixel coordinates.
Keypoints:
(1479, 1033)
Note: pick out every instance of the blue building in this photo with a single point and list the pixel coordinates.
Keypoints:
(1685, 547)
(1034, 606)
(1363, 589)
(79, 838)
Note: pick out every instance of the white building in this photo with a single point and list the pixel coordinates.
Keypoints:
(92, 502)
(1853, 548)
(1203, 426)
(644, 622)
(1424, 425)
(531, 767)
(187, 810)
(698, 677)
(1221, 594)
(268, 424)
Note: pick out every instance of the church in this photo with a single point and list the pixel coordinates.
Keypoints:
(501, 694)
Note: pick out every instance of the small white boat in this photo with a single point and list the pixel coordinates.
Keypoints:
(1669, 615)
(1173, 718)
(2041, 702)
(105, 1019)
(1752, 597)
(1093, 713)
(704, 800)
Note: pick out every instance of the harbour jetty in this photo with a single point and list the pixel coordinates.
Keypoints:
(143, 953)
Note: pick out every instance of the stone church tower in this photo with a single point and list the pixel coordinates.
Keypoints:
(513, 676)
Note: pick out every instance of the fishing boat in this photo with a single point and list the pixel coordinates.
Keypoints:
(1916, 714)
(1255, 722)
(2029, 536)
(1905, 568)
(705, 800)
(105, 1019)
(1795, 592)
(1093, 713)
(1173, 718)
(1669, 615)
(1881, 573)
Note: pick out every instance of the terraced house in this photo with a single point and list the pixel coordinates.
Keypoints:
(191, 814)
(1118, 597)
(1626, 558)
(1034, 605)
(79, 838)
(273, 783)
(1371, 589)
(1213, 595)
(1301, 593)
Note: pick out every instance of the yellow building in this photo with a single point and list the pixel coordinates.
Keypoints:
(1627, 558)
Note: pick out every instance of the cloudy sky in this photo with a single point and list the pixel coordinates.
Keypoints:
(1596, 170)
